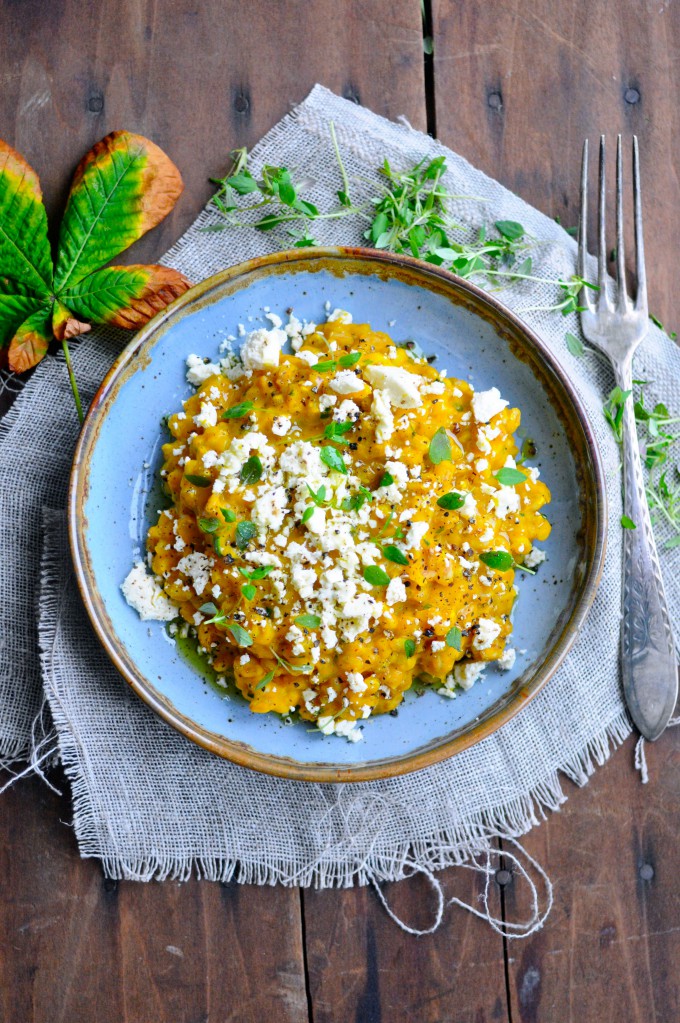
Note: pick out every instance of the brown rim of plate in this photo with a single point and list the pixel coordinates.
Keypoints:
(594, 541)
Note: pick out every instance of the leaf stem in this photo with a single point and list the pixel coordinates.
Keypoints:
(72, 378)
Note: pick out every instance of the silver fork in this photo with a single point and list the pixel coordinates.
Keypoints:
(616, 326)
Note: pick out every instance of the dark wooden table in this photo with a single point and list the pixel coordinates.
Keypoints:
(514, 88)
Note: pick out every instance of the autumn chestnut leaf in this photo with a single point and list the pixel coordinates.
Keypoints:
(121, 189)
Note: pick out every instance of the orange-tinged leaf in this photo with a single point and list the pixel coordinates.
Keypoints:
(24, 249)
(31, 341)
(126, 296)
(65, 325)
(123, 187)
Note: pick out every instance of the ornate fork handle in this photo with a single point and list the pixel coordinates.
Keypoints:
(648, 659)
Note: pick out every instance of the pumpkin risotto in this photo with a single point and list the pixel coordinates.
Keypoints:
(345, 521)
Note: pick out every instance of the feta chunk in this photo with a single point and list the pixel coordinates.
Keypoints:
(197, 566)
(346, 382)
(199, 371)
(381, 410)
(489, 632)
(339, 316)
(269, 509)
(466, 673)
(534, 558)
(145, 595)
(396, 591)
(487, 404)
(401, 387)
(262, 348)
(507, 659)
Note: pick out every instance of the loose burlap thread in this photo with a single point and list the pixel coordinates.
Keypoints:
(147, 802)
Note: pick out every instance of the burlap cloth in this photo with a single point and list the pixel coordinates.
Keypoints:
(150, 804)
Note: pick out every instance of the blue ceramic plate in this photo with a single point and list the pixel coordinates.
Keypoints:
(113, 498)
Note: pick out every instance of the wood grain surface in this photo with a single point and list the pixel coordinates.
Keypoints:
(514, 88)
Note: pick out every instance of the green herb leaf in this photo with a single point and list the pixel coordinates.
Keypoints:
(393, 553)
(228, 515)
(265, 681)
(387, 480)
(627, 522)
(209, 608)
(251, 471)
(452, 500)
(440, 447)
(245, 531)
(350, 359)
(242, 637)
(376, 576)
(454, 638)
(508, 477)
(208, 525)
(198, 481)
(261, 572)
(238, 411)
(319, 497)
(333, 459)
(409, 647)
(500, 560)
(308, 621)
(307, 514)
(248, 590)
(293, 669)
(325, 367)
(574, 344)
(510, 229)
(243, 183)
(336, 431)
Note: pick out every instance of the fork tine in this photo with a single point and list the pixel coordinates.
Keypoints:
(603, 297)
(585, 298)
(622, 303)
(641, 295)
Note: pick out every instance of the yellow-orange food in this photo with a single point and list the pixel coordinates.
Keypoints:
(284, 585)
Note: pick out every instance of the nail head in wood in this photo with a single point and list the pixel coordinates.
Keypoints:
(95, 103)
(503, 877)
(495, 101)
(646, 872)
(631, 96)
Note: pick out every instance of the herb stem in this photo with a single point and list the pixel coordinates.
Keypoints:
(343, 172)
(72, 378)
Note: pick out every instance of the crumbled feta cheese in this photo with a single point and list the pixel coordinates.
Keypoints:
(396, 591)
(339, 316)
(487, 404)
(308, 356)
(281, 425)
(145, 595)
(327, 401)
(466, 673)
(275, 320)
(207, 415)
(489, 631)
(349, 730)
(262, 348)
(435, 387)
(355, 681)
(346, 410)
(269, 509)
(199, 371)
(506, 500)
(210, 459)
(469, 507)
(401, 387)
(534, 558)
(507, 659)
(481, 464)
(197, 566)
(346, 382)
(316, 523)
(415, 534)
(381, 410)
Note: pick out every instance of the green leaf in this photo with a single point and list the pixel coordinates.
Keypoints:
(121, 189)
(261, 572)
(228, 515)
(251, 471)
(440, 447)
(409, 647)
(454, 638)
(319, 497)
(14, 310)
(350, 359)
(325, 367)
(500, 560)
(307, 514)
(574, 344)
(378, 227)
(627, 522)
(238, 411)
(31, 340)
(265, 681)
(510, 229)
(242, 637)
(387, 480)
(451, 501)
(336, 431)
(198, 481)
(25, 255)
(248, 590)
(308, 621)
(508, 477)
(208, 525)
(245, 531)
(125, 296)
(376, 576)
(243, 183)
(393, 553)
(333, 459)
(209, 608)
